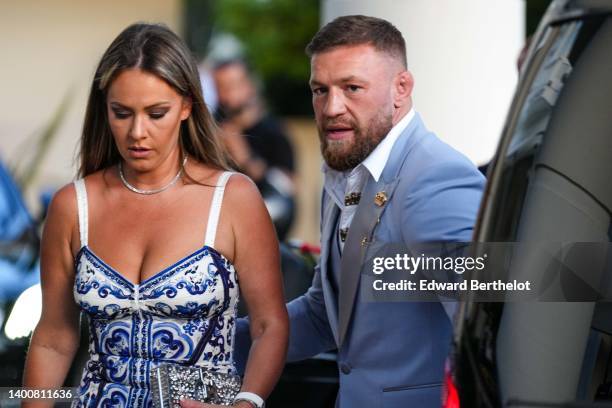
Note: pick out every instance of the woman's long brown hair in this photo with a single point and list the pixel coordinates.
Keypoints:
(153, 48)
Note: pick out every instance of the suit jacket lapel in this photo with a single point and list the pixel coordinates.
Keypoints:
(364, 222)
(360, 234)
(330, 213)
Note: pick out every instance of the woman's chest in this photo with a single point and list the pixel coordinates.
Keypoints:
(200, 285)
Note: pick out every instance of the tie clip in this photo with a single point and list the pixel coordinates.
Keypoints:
(343, 234)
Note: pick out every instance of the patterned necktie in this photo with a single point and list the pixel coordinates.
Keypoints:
(354, 184)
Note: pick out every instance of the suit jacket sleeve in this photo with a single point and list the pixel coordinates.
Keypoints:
(309, 331)
(443, 207)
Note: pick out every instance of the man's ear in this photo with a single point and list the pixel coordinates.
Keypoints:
(403, 88)
(186, 108)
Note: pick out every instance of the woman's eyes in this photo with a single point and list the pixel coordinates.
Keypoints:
(121, 114)
(157, 115)
(126, 114)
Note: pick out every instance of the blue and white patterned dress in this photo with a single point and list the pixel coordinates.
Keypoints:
(183, 314)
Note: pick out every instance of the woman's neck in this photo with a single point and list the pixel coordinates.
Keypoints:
(152, 179)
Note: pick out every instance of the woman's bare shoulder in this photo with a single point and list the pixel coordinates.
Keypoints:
(240, 191)
(64, 202)
(242, 194)
(203, 174)
(239, 183)
(98, 180)
(61, 219)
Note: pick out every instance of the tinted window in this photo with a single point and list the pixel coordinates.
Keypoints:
(557, 53)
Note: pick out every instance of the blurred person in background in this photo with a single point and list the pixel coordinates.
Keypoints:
(155, 189)
(256, 140)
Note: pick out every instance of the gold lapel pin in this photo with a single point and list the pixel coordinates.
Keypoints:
(380, 198)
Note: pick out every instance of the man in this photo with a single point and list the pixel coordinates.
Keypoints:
(256, 140)
(387, 179)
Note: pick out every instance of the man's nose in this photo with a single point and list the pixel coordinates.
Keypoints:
(335, 104)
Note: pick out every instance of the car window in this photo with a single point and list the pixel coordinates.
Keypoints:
(555, 57)
(533, 120)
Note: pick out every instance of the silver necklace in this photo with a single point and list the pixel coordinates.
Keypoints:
(157, 190)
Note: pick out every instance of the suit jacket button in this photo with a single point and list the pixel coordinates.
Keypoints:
(345, 368)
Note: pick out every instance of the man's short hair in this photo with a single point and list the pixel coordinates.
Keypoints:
(357, 30)
(226, 62)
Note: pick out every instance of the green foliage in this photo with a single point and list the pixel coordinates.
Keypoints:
(274, 33)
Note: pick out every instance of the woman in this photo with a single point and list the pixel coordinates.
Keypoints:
(155, 189)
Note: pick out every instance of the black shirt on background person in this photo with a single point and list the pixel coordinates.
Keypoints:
(256, 140)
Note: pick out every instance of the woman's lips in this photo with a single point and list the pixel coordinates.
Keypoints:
(139, 152)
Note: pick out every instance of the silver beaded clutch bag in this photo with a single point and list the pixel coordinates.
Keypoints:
(171, 382)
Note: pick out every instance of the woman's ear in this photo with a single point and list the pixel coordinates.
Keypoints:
(403, 88)
(186, 108)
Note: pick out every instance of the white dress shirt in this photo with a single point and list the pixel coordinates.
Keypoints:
(339, 185)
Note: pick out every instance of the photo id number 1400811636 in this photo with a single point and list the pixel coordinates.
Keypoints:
(33, 394)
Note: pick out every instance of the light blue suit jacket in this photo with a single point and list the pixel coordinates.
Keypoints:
(390, 354)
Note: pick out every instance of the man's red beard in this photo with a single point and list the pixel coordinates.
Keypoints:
(342, 156)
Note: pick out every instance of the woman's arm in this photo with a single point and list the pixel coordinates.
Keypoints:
(56, 337)
(257, 263)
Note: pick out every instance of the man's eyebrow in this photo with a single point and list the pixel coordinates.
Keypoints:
(351, 78)
(155, 105)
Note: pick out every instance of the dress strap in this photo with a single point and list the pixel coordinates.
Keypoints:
(81, 194)
(215, 209)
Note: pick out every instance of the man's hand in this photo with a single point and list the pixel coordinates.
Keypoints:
(235, 143)
(238, 148)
